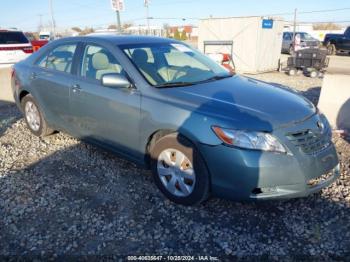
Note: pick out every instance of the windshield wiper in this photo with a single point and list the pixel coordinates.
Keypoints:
(175, 84)
(213, 78)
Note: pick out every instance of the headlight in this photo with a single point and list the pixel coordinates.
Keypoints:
(249, 139)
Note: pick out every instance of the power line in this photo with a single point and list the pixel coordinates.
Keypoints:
(325, 10)
(326, 22)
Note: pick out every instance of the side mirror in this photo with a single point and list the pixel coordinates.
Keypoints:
(115, 80)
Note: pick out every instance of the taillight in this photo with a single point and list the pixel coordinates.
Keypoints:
(25, 49)
(28, 50)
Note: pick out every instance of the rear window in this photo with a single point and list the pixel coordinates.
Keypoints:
(12, 38)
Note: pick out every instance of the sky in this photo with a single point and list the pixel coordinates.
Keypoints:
(25, 14)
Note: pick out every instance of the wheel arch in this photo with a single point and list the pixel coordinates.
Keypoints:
(22, 94)
(160, 133)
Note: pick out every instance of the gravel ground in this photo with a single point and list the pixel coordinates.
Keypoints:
(60, 196)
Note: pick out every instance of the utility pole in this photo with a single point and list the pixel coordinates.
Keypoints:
(53, 25)
(147, 16)
(40, 22)
(119, 26)
(294, 27)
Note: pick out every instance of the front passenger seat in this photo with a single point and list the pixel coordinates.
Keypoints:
(101, 64)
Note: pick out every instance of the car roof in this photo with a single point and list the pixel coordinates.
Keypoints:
(120, 39)
(10, 31)
(297, 32)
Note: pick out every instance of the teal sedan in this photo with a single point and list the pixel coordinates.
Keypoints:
(160, 103)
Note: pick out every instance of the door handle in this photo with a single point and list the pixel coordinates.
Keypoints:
(76, 88)
(33, 76)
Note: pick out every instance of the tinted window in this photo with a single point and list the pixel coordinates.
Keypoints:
(98, 61)
(60, 59)
(305, 36)
(13, 38)
(287, 36)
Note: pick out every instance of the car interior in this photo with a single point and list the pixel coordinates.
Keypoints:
(166, 67)
(60, 60)
(98, 62)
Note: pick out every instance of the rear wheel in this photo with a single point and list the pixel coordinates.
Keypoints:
(179, 170)
(34, 118)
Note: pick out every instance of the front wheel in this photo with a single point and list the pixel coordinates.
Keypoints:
(179, 170)
(34, 118)
(331, 50)
(291, 50)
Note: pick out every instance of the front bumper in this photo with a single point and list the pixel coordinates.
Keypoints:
(240, 174)
(294, 191)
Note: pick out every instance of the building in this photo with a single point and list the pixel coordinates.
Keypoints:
(191, 31)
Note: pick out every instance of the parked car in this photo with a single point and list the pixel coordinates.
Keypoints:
(14, 46)
(36, 43)
(337, 42)
(201, 129)
(307, 41)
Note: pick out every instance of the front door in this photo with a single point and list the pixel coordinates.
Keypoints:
(110, 116)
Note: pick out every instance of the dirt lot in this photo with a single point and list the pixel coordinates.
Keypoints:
(60, 197)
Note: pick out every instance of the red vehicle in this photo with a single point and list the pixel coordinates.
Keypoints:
(37, 44)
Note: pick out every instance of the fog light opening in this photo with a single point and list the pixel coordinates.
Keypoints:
(257, 191)
(266, 190)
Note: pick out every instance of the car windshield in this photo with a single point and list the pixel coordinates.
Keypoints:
(13, 38)
(305, 36)
(173, 64)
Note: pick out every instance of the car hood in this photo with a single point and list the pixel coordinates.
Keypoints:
(246, 103)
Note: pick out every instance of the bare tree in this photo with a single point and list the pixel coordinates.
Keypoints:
(112, 27)
(326, 26)
(76, 29)
(87, 30)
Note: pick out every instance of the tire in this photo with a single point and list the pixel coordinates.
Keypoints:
(41, 127)
(292, 72)
(291, 50)
(331, 50)
(197, 186)
(313, 74)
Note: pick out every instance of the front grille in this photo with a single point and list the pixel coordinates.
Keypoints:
(311, 141)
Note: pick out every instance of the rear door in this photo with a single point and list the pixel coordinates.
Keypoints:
(110, 116)
(51, 79)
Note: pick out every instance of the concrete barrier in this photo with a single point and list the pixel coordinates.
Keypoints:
(5, 85)
(335, 98)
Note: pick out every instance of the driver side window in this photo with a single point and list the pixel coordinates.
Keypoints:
(98, 61)
(287, 36)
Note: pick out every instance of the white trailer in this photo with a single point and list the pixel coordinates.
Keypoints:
(257, 41)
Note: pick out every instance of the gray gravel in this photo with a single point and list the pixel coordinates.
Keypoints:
(60, 196)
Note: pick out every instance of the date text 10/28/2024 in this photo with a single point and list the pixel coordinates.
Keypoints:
(172, 258)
